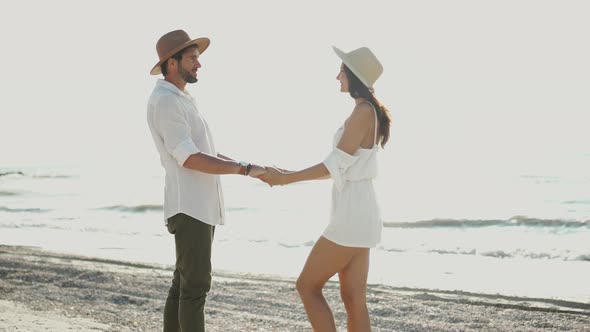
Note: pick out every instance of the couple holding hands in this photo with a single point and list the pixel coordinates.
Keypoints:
(193, 203)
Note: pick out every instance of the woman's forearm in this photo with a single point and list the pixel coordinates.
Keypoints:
(315, 172)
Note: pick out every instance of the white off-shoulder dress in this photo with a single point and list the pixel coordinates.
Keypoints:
(355, 219)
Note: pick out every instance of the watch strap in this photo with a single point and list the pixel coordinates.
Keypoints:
(244, 168)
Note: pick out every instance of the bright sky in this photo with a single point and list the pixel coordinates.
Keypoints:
(470, 84)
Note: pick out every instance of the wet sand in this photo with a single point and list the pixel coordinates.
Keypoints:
(46, 291)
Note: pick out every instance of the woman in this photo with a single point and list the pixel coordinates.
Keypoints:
(355, 224)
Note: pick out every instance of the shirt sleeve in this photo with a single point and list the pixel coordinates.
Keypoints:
(337, 163)
(174, 130)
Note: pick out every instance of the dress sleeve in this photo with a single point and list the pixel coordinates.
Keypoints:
(174, 130)
(337, 163)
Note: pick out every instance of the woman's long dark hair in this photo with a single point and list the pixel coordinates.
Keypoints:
(358, 89)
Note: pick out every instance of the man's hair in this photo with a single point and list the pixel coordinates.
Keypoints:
(164, 65)
(177, 56)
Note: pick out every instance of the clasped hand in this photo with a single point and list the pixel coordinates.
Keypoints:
(270, 175)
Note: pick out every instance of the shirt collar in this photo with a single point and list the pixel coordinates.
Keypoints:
(169, 86)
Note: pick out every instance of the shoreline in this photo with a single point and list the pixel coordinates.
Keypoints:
(97, 294)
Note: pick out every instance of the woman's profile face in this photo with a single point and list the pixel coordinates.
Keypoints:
(343, 79)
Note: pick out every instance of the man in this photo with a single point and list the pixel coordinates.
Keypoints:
(193, 202)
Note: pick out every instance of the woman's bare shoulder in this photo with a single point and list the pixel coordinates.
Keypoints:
(362, 114)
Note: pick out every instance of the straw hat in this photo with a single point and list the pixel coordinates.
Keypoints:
(363, 63)
(173, 42)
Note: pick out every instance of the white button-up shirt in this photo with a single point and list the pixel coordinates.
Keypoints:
(179, 130)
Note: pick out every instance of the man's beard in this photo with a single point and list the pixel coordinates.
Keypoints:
(186, 75)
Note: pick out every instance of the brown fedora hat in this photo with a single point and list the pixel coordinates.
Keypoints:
(173, 42)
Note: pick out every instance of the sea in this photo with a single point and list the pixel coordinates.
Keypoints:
(523, 235)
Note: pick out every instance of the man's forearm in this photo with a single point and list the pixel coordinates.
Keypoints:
(206, 163)
(220, 156)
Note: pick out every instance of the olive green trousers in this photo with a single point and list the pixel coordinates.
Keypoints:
(185, 305)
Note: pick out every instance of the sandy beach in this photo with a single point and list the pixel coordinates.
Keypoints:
(46, 291)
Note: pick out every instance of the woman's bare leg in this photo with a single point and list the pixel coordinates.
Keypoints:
(353, 289)
(325, 259)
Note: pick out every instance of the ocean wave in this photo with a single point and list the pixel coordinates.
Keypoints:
(289, 246)
(526, 221)
(133, 209)
(471, 223)
(11, 173)
(583, 202)
(533, 255)
(18, 210)
(498, 254)
(503, 254)
(8, 193)
(33, 225)
(450, 252)
(540, 179)
(37, 174)
(235, 209)
(53, 176)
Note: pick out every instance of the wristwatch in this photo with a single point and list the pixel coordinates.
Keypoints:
(245, 168)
